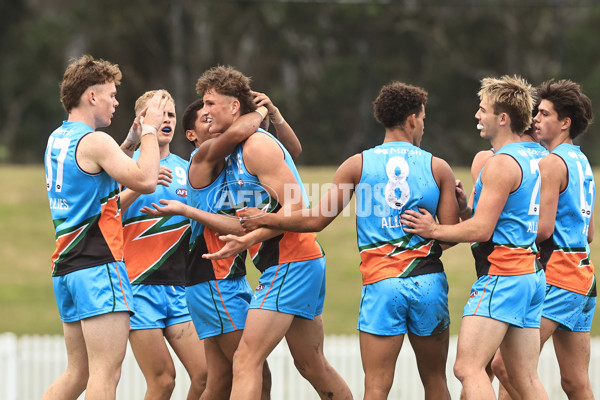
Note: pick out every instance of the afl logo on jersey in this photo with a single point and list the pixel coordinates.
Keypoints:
(473, 293)
(240, 182)
(181, 192)
(259, 287)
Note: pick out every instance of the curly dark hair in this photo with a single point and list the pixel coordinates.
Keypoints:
(228, 81)
(569, 102)
(396, 101)
(190, 115)
(83, 73)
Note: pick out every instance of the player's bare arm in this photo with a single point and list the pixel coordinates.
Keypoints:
(128, 196)
(134, 136)
(208, 161)
(223, 224)
(264, 158)
(448, 210)
(98, 151)
(553, 172)
(500, 177)
(335, 200)
(285, 133)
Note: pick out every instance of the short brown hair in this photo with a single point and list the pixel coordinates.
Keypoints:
(83, 73)
(228, 81)
(568, 101)
(396, 101)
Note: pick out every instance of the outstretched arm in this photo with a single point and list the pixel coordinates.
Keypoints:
(503, 176)
(331, 205)
(224, 224)
(265, 159)
(128, 196)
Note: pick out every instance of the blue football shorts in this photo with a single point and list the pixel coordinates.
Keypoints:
(573, 311)
(159, 306)
(516, 300)
(296, 288)
(395, 306)
(219, 306)
(93, 291)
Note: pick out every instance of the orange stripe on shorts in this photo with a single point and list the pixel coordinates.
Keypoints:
(482, 294)
(271, 286)
(224, 307)
(121, 285)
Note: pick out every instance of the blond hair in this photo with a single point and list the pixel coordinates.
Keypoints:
(511, 95)
(142, 101)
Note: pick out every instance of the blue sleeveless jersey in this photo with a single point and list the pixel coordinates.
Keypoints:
(396, 177)
(569, 266)
(213, 199)
(156, 248)
(245, 190)
(512, 250)
(85, 207)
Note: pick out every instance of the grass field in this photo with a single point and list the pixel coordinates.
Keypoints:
(27, 303)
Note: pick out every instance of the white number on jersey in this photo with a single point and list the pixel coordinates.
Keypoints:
(397, 182)
(180, 174)
(63, 145)
(586, 208)
(534, 205)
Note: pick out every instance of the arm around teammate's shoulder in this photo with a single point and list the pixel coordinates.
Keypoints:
(217, 148)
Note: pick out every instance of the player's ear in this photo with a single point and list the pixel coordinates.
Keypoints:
(411, 120)
(90, 96)
(190, 134)
(235, 106)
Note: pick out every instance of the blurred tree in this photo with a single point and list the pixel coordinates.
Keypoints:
(322, 62)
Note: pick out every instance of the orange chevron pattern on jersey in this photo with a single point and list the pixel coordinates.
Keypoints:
(143, 253)
(509, 261)
(389, 261)
(111, 226)
(64, 242)
(221, 268)
(299, 247)
(292, 247)
(570, 270)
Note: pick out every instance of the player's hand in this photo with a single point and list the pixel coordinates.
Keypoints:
(168, 208)
(261, 99)
(134, 136)
(250, 218)
(461, 196)
(154, 112)
(165, 176)
(233, 246)
(421, 223)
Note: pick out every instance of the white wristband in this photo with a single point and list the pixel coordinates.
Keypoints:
(149, 129)
(281, 121)
(259, 113)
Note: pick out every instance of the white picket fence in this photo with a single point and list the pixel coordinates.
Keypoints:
(29, 364)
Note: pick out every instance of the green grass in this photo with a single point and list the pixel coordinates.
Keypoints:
(27, 303)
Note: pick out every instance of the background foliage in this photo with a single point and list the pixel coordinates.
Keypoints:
(322, 62)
